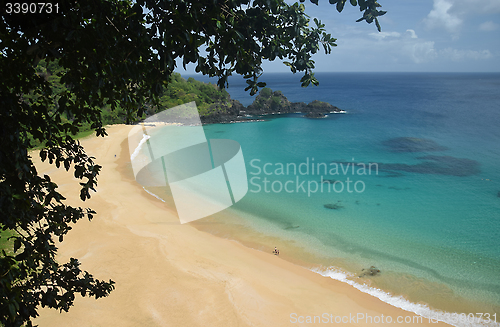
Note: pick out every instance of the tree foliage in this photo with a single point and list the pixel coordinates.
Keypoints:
(179, 91)
(115, 54)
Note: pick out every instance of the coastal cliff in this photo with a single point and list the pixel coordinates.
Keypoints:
(267, 102)
(214, 104)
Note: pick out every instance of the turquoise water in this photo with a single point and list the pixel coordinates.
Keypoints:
(433, 214)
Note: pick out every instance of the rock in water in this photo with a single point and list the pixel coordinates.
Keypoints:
(315, 115)
(372, 271)
(333, 206)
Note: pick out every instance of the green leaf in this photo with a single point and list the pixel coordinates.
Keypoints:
(12, 311)
(378, 25)
(17, 244)
(240, 35)
(340, 5)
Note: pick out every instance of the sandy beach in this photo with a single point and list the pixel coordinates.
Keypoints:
(168, 274)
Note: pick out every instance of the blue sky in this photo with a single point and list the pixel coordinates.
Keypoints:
(417, 36)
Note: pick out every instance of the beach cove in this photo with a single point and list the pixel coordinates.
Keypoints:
(169, 274)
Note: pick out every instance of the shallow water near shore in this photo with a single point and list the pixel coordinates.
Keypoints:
(428, 218)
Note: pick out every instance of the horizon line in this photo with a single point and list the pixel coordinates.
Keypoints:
(361, 72)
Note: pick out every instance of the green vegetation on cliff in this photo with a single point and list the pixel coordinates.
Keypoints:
(269, 100)
(209, 98)
(214, 104)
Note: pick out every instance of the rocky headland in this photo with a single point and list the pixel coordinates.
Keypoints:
(267, 102)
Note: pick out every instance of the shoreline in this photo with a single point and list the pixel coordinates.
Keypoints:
(296, 252)
(172, 274)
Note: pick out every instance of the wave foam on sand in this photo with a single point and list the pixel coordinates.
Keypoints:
(454, 319)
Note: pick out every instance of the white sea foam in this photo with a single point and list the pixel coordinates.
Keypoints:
(156, 196)
(454, 319)
(139, 146)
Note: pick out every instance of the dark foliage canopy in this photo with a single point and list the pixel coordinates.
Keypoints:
(117, 54)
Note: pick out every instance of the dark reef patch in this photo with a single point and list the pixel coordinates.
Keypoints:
(412, 144)
(438, 165)
(333, 206)
(398, 188)
(389, 173)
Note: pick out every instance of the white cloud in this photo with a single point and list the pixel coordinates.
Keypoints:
(450, 14)
(383, 35)
(424, 51)
(413, 35)
(488, 26)
(407, 48)
(420, 51)
(440, 16)
(461, 55)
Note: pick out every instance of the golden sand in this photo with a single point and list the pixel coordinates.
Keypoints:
(168, 274)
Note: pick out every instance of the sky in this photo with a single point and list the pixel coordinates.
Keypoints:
(417, 36)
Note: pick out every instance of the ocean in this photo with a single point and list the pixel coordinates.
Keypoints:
(406, 182)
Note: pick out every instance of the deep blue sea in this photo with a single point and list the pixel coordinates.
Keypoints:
(427, 214)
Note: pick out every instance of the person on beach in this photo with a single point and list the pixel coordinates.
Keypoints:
(276, 251)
